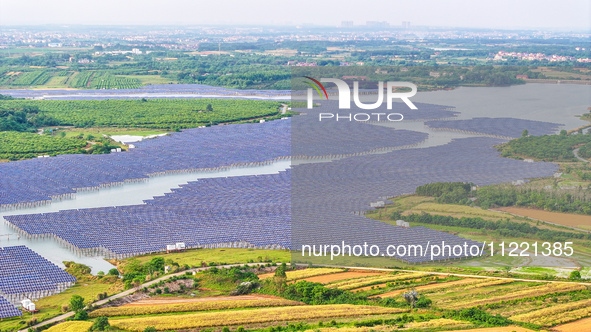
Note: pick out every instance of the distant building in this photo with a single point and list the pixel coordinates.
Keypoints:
(346, 24)
(524, 77)
(405, 24)
(377, 24)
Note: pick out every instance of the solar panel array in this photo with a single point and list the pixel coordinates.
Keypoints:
(329, 131)
(325, 194)
(255, 210)
(36, 181)
(7, 309)
(504, 127)
(208, 213)
(25, 274)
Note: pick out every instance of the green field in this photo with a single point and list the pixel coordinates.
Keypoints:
(195, 257)
(153, 113)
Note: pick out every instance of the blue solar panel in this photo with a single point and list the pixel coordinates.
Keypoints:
(24, 273)
(8, 310)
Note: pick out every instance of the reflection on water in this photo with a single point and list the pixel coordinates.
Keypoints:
(127, 194)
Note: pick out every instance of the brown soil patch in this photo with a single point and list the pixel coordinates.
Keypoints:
(324, 279)
(172, 300)
(566, 219)
(497, 329)
(266, 275)
(576, 326)
(400, 291)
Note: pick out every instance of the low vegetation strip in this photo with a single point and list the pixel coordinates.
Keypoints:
(245, 317)
(528, 292)
(557, 314)
(191, 306)
(361, 282)
(75, 326)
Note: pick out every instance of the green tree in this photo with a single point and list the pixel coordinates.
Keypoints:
(113, 272)
(575, 275)
(150, 329)
(76, 303)
(100, 324)
(209, 108)
(155, 264)
(81, 315)
(280, 272)
(525, 133)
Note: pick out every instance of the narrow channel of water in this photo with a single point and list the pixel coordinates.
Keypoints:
(127, 194)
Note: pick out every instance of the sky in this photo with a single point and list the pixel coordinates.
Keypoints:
(499, 14)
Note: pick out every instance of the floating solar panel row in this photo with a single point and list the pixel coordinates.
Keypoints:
(325, 194)
(24, 273)
(7, 309)
(314, 137)
(256, 209)
(505, 127)
(247, 211)
(38, 180)
(151, 89)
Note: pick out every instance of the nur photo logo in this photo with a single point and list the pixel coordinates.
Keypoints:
(344, 93)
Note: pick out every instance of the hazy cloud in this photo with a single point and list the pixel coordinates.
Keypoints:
(564, 14)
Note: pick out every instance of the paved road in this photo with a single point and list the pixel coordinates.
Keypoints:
(130, 291)
(576, 153)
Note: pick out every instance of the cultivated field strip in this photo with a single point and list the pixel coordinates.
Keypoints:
(558, 314)
(307, 273)
(74, 326)
(365, 281)
(463, 284)
(245, 317)
(190, 306)
(328, 278)
(498, 293)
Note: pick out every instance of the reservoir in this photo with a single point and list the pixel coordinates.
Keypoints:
(540, 102)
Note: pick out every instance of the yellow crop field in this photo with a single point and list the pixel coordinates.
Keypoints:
(245, 317)
(360, 282)
(190, 306)
(301, 274)
(457, 209)
(464, 284)
(438, 323)
(375, 328)
(76, 326)
(557, 314)
(484, 283)
(527, 292)
(306, 273)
